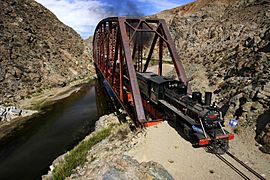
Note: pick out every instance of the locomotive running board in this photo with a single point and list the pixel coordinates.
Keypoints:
(179, 113)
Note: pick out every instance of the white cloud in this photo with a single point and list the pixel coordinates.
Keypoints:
(161, 4)
(81, 15)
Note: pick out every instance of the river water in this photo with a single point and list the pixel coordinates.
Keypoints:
(28, 153)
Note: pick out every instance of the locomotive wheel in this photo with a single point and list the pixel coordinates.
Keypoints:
(187, 131)
(220, 146)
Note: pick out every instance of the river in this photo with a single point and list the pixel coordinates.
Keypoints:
(28, 153)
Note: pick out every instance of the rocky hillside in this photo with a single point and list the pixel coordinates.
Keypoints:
(37, 51)
(225, 47)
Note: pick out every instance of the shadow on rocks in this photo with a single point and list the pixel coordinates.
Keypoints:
(263, 131)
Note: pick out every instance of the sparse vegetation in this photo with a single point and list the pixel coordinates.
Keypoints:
(236, 130)
(77, 156)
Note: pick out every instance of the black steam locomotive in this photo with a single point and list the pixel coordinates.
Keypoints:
(200, 120)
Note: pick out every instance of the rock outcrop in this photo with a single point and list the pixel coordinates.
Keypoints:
(11, 112)
(37, 51)
(123, 167)
(225, 48)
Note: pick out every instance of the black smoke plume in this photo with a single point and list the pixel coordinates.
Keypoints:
(123, 8)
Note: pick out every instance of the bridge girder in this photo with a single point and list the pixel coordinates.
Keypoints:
(124, 45)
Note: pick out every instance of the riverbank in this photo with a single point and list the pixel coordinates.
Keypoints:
(28, 151)
(49, 96)
(101, 155)
(38, 102)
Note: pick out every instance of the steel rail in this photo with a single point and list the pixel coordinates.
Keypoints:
(241, 163)
(232, 166)
(246, 166)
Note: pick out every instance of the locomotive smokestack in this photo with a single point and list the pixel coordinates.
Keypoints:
(208, 98)
(197, 96)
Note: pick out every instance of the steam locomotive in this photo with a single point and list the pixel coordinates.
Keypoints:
(200, 120)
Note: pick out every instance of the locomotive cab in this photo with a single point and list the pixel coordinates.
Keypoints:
(158, 84)
(152, 85)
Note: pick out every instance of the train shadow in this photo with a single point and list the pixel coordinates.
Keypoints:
(179, 129)
(192, 140)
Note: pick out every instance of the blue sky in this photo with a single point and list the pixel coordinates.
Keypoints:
(83, 15)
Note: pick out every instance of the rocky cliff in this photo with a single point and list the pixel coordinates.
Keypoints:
(225, 47)
(37, 51)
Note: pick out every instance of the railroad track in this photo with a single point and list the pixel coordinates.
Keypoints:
(237, 170)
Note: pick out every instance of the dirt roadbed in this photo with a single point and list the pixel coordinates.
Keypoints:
(164, 145)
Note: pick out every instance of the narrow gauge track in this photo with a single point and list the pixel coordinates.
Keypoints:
(241, 163)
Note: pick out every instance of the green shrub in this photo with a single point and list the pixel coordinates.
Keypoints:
(236, 130)
(77, 156)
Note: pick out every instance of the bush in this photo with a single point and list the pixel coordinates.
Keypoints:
(77, 156)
